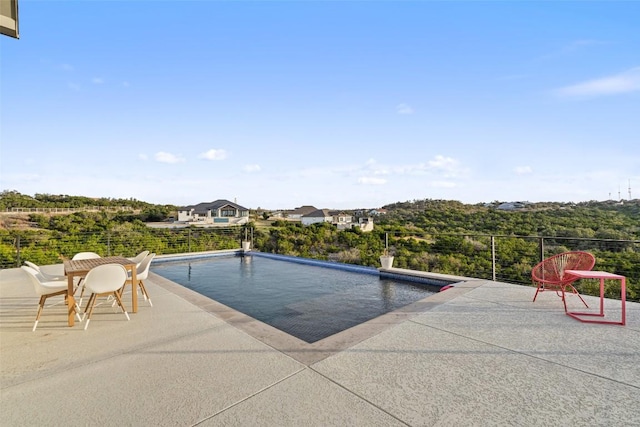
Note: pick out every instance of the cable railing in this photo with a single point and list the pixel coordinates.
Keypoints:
(503, 258)
(54, 247)
(72, 210)
(510, 259)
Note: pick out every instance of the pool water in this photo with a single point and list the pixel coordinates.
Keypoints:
(307, 301)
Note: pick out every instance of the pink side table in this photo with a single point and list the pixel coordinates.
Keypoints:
(602, 275)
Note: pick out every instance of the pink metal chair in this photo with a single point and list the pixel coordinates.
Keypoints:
(549, 275)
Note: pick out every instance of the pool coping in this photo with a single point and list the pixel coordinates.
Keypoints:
(310, 353)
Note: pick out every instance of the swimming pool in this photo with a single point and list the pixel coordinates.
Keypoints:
(305, 299)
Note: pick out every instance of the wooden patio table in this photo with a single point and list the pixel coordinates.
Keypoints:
(80, 268)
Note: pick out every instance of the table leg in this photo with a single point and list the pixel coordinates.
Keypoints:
(134, 291)
(71, 302)
(623, 297)
(602, 296)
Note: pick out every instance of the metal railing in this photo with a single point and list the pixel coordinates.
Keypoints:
(508, 258)
(503, 258)
(72, 210)
(53, 247)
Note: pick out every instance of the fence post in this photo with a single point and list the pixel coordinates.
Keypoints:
(108, 243)
(493, 258)
(541, 249)
(18, 251)
(189, 241)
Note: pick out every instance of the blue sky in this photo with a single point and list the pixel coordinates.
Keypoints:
(278, 104)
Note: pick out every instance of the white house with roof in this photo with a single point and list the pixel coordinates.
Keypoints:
(317, 216)
(338, 218)
(298, 213)
(219, 212)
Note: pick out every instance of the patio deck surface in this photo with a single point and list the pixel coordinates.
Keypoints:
(481, 353)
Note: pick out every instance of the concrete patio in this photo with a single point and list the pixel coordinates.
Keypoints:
(481, 353)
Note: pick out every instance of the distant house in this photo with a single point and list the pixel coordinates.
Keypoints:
(317, 216)
(511, 206)
(379, 211)
(298, 213)
(219, 212)
(340, 219)
(365, 224)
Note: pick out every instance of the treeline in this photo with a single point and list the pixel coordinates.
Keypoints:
(592, 220)
(144, 211)
(14, 199)
(55, 238)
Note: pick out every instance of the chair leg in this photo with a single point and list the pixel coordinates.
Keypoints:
(81, 294)
(86, 308)
(43, 298)
(90, 305)
(575, 292)
(78, 311)
(144, 292)
(536, 295)
(43, 301)
(121, 305)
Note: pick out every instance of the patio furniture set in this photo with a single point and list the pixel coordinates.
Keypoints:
(98, 276)
(560, 271)
(108, 276)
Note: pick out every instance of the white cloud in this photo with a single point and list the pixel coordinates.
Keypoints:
(213, 154)
(627, 81)
(523, 170)
(404, 109)
(252, 168)
(142, 156)
(369, 180)
(443, 166)
(97, 80)
(163, 157)
(443, 163)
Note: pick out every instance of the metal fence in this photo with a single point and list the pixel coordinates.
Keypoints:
(53, 247)
(508, 258)
(72, 210)
(492, 257)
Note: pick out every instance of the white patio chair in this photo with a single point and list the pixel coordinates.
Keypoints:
(45, 289)
(85, 255)
(104, 280)
(79, 256)
(139, 258)
(45, 275)
(142, 272)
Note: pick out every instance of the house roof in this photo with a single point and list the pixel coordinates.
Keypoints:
(212, 206)
(303, 210)
(318, 213)
(339, 213)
